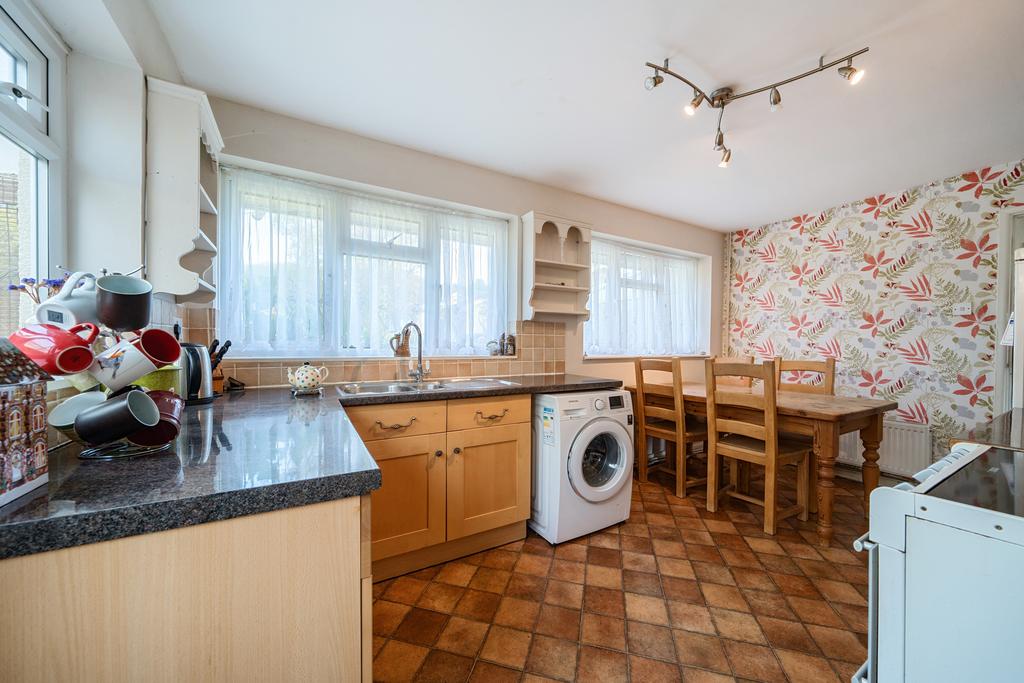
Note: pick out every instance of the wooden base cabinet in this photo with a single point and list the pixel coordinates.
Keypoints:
(447, 493)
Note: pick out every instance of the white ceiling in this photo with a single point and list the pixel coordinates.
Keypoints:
(552, 91)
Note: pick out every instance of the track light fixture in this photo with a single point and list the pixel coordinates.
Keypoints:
(724, 96)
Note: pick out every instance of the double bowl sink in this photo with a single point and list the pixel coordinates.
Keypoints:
(412, 387)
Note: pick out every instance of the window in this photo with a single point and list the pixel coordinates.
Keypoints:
(646, 301)
(31, 151)
(323, 271)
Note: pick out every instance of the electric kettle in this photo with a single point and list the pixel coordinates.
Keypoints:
(196, 377)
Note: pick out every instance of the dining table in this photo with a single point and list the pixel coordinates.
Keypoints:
(821, 417)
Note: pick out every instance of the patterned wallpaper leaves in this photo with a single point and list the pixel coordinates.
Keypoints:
(899, 288)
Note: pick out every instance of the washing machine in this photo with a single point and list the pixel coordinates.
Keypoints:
(582, 463)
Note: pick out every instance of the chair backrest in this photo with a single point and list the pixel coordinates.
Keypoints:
(723, 398)
(735, 381)
(652, 399)
(826, 369)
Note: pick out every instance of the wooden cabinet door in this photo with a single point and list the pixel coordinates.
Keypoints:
(408, 508)
(488, 478)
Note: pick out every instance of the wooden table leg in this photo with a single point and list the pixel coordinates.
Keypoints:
(871, 436)
(826, 447)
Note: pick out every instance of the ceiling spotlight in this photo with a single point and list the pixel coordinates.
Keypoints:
(652, 82)
(719, 141)
(726, 158)
(691, 108)
(775, 99)
(851, 73)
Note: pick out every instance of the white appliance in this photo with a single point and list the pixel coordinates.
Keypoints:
(946, 572)
(1018, 339)
(582, 463)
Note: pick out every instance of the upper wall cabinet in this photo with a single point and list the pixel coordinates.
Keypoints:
(556, 268)
(182, 146)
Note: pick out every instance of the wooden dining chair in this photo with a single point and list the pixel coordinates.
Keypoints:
(735, 381)
(743, 427)
(659, 414)
(826, 370)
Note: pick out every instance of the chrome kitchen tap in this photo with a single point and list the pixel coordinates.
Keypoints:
(419, 374)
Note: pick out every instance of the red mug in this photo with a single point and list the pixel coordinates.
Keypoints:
(166, 430)
(56, 350)
(160, 347)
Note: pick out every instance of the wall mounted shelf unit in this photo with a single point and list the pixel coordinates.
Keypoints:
(556, 268)
(182, 146)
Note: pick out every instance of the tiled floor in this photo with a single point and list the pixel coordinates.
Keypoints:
(675, 593)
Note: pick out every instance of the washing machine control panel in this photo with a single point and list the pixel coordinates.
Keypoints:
(615, 401)
(599, 404)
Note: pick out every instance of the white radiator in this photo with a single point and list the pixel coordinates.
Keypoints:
(906, 448)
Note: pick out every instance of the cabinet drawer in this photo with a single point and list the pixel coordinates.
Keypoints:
(391, 420)
(470, 413)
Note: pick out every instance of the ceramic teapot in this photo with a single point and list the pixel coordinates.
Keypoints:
(306, 377)
(400, 344)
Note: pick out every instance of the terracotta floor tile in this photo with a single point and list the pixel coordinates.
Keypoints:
(838, 643)
(604, 631)
(756, 579)
(754, 662)
(646, 608)
(456, 573)
(696, 537)
(564, 594)
(559, 622)
(720, 526)
(690, 617)
(768, 604)
(779, 563)
(564, 570)
(705, 553)
(462, 636)
(491, 580)
(669, 548)
(527, 587)
(701, 651)
(604, 577)
(535, 565)
(638, 544)
(738, 626)
(805, 668)
(641, 582)
(713, 573)
(479, 605)
(387, 616)
(691, 675)
(639, 562)
(650, 640)
(426, 574)
(398, 662)
(765, 545)
(604, 601)
(521, 614)
(553, 657)
(683, 590)
(420, 626)
(440, 597)
(506, 646)
(726, 597)
(812, 611)
(535, 545)
(740, 558)
(672, 566)
(607, 557)
(572, 552)
(444, 667)
(839, 591)
(405, 589)
(485, 672)
(795, 585)
(647, 670)
(500, 559)
(789, 635)
(602, 666)
(855, 616)
(377, 644)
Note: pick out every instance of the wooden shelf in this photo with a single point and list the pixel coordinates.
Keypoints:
(558, 288)
(205, 203)
(548, 311)
(204, 294)
(562, 264)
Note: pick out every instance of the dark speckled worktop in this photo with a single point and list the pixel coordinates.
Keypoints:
(255, 451)
(245, 453)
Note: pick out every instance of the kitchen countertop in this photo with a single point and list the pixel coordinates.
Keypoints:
(528, 384)
(245, 453)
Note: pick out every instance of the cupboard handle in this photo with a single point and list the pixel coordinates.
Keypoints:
(495, 416)
(456, 450)
(397, 425)
(438, 453)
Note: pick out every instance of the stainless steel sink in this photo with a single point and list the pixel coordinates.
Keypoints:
(480, 383)
(410, 386)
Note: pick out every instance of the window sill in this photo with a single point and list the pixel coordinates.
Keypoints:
(630, 359)
(357, 359)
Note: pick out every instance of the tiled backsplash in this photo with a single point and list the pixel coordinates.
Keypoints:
(540, 349)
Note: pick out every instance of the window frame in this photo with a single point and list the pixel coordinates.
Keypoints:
(704, 276)
(513, 258)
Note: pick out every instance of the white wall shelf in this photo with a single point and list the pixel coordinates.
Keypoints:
(556, 267)
(182, 146)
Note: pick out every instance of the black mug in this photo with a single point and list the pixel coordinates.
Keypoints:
(122, 302)
(117, 417)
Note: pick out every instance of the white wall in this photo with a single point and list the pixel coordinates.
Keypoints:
(106, 140)
(272, 138)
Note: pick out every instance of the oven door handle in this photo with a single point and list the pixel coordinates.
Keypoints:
(868, 672)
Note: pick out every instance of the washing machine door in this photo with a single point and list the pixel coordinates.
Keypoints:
(600, 460)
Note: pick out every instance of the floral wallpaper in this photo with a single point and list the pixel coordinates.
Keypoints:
(899, 288)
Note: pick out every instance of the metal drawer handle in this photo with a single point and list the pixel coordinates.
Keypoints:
(492, 417)
(397, 425)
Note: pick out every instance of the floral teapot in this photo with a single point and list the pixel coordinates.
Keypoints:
(306, 377)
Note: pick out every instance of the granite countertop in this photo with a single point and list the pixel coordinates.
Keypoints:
(527, 384)
(245, 453)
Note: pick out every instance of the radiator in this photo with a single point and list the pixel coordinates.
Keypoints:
(906, 448)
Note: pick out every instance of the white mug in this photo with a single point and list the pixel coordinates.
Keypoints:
(120, 365)
(72, 304)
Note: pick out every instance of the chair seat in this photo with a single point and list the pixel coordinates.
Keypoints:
(746, 448)
(663, 429)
